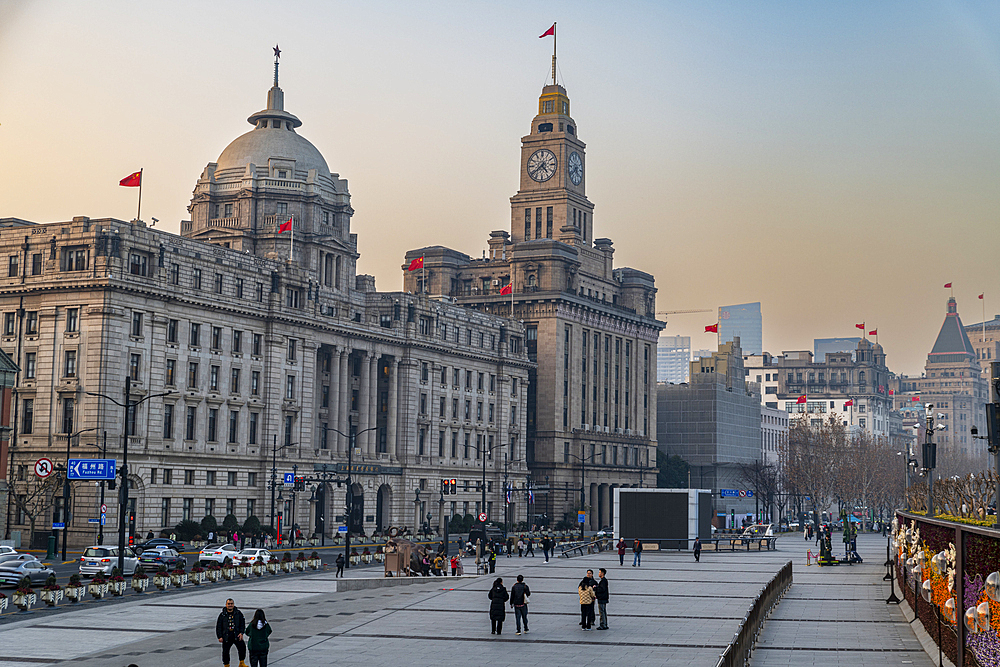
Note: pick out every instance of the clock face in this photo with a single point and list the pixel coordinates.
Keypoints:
(542, 165)
(575, 168)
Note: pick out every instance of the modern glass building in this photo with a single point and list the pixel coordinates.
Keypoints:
(823, 345)
(742, 320)
(673, 357)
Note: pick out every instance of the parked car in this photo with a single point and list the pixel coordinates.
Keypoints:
(152, 559)
(217, 553)
(12, 571)
(254, 554)
(105, 558)
(607, 531)
(16, 556)
(6, 551)
(179, 547)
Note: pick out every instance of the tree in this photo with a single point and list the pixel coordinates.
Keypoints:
(671, 471)
(34, 498)
(209, 525)
(809, 459)
(251, 526)
(763, 479)
(187, 529)
(230, 524)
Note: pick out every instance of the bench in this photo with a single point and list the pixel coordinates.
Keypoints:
(767, 542)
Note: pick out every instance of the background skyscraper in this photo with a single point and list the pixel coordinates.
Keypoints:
(673, 356)
(742, 320)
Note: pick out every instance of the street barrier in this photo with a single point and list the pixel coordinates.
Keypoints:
(741, 647)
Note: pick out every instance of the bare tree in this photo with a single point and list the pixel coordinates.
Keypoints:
(809, 459)
(34, 498)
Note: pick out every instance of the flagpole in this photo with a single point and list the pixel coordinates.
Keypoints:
(553, 54)
(291, 240)
(138, 210)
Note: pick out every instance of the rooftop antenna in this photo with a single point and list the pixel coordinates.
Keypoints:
(277, 54)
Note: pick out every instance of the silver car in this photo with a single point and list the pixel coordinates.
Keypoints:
(105, 558)
(12, 571)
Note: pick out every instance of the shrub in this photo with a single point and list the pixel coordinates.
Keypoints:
(230, 524)
(98, 579)
(209, 525)
(75, 580)
(24, 586)
(187, 530)
(251, 526)
(51, 585)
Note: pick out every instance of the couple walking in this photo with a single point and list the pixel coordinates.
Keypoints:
(592, 591)
(231, 627)
(519, 595)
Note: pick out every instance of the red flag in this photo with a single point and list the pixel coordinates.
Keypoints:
(285, 226)
(915, 398)
(712, 328)
(801, 399)
(418, 263)
(947, 285)
(891, 392)
(132, 180)
(873, 332)
(982, 295)
(848, 404)
(860, 326)
(506, 289)
(550, 31)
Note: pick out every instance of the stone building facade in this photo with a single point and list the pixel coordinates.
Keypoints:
(590, 328)
(267, 349)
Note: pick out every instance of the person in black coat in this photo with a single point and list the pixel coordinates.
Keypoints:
(229, 629)
(498, 608)
(697, 549)
(603, 595)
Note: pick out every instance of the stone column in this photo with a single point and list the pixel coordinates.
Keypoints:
(344, 404)
(363, 399)
(334, 411)
(372, 405)
(391, 444)
(605, 504)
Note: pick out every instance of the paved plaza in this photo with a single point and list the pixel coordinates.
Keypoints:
(670, 611)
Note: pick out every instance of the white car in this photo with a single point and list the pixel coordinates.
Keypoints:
(253, 554)
(105, 558)
(5, 550)
(218, 553)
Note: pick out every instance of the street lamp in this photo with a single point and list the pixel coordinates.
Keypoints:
(129, 405)
(483, 451)
(583, 496)
(103, 483)
(930, 455)
(352, 438)
(65, 507)
(274, 475)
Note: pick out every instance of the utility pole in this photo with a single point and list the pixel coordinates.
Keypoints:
(930, 458)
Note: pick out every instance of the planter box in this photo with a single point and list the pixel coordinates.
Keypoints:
(161, 581)
(178, 580)
(272, 568)
(380, 557)
(300, 565)
(228, 573)
(286, 566)
(197, 578)
(213, 575)
(74, 593)
(258, 570)
(117, 588)
(244, 571)
(314, 563)
(98, 590)
(3, 604)
(140, 585)
(355, 560)
(52, 598)
(366, 558)
(23, 602)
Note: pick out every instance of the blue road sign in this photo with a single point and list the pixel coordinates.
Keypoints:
(581, 518)
(58, 526)
(104, 517)
(92, 468)
(729, 493)
(749, 493)
(341, 529)
(93, 520)
(290, 478)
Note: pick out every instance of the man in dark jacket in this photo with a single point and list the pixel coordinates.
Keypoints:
(637, 550)
(519, 594)
(229, 630)
(602, 597)
(340, 565)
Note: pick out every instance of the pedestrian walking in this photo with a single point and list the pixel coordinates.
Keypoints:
(498, 608)
(697, 549)
(531, 547)
(519, 594)
(520, 548)
(510, 547)
(454, 565)
(588, 595)
(621, 550)
(492, 556)
(603, 594)
(257, 639)
(340, 566)
(637, 550)
(229, 628)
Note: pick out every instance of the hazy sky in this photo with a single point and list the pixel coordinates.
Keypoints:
(837, 161)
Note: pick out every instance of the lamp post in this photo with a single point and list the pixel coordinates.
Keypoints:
(930, 455)
(103, 483)
(583, 482)
(129, 405)
(65, 506)
(274, 474)
(352, 438)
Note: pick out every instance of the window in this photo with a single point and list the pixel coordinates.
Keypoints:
(169, 373)
(175, 274)
(282, 206)
(31, 322)
(195, 339)
(134, 366)
(228, 210)
(152, 475)
(189, 477)
(138, 264)
(251, 479)
(441, 411)
(254, 419)
(293, 297)
(231, 506)
(196, 279)
(36, 264)
(216, 338)
(468, 410)
(168, 421)
(8, 324)
(213, 423)
(325, 396)
(423, 404)
(292, 344)
(251, 506)
(193, 375)
(234, 381)
(479, 382)
(28, 415)
(217, 283)
(548, 222)
(74, 259)
(527, 224)
(72, 320)
(213, 378)
(257, 342)
(260, 292)
(172, 331)
(168, 476)
(230, 478)
(239, 288)
(290, 387)
(255, 383)
(424, 371)
(234, 425)
(68, 407)
(29, 365)
(165, 512)
(69, 369)
(237, 341)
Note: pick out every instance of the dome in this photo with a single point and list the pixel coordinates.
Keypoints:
(263, 144)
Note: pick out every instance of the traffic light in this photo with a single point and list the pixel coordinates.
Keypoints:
(454, 486)
(444, 486)
(131, 528)
(300, 483)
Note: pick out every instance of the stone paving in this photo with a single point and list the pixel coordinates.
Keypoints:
(671, 611)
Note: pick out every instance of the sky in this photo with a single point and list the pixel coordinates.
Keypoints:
(837, 162)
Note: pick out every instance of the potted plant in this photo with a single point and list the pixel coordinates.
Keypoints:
(74, 589)
(286, 562)
(24, 596)
(197, 576)
(228, 571)
(52, 592)
(314, 560)
(161, 579)
(140, 580)
(379, 554)
(178, 577)
(366, 556)
(300, 561)
(244, 567)
(258, 566)
(355, 558)
(116, 583)
(272, 565)
(3, 603)
(98, 586)
(214, 571)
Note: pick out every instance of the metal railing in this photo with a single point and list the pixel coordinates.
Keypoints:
(739, 650)
(584, 548)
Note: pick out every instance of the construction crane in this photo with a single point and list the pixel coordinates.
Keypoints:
(683, 312)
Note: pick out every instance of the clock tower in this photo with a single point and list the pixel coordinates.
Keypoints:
(552, 201)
